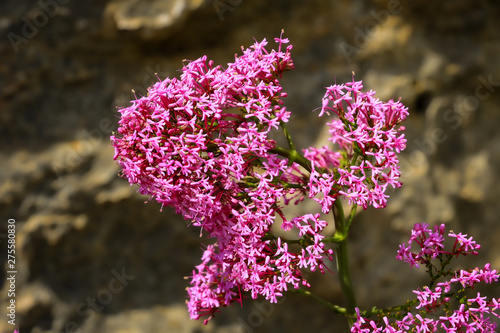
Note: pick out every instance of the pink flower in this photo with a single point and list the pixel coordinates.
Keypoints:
(429, 241)
(470, 277)
(466, 244)
(368, 134)
(436, 312)
(201, 144)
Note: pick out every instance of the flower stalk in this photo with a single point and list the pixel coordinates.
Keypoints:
(335, 308)
(342, 256)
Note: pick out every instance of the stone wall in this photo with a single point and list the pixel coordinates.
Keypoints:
(92, 257)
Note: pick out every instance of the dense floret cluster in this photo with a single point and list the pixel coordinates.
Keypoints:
(368, 136)
(435, 312)
(201, 144)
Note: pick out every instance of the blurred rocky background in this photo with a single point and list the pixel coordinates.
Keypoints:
(93, 257)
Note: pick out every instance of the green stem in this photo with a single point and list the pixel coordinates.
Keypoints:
(337, 238)
(340, 234)
(343, 261)
(351, 215)
(335, 308)
(288, 136)
(292, 156)
(291, 153)
(385, 311)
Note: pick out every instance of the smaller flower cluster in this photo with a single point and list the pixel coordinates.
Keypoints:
(431, 243)
(434, 304)
(368, 134)
(431, 299)
(222, 276)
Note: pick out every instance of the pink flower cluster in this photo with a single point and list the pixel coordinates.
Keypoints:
(431, 243)
(366, 131)
(435, 305)
(186, 145)
(201, 145)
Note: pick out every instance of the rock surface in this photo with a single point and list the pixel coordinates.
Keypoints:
(92, 257)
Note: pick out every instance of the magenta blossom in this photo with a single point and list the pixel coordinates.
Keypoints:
(435, 310)
(201, 144)
(368, 134)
